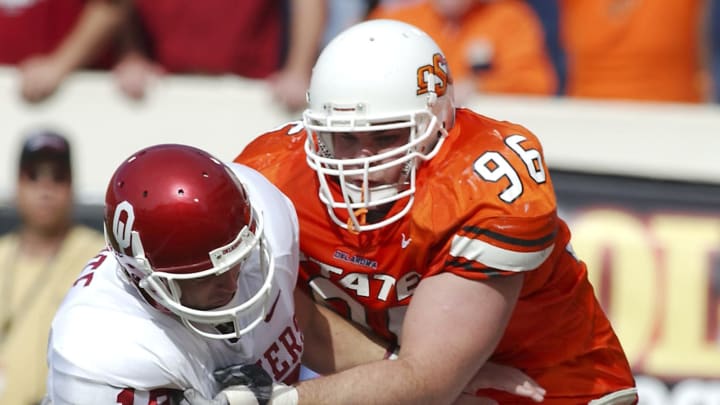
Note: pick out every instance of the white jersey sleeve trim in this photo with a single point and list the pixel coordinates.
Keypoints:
(497, 258)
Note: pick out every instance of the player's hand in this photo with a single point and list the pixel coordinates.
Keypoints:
(242, 395)
(240, 379)
(246, 384)
(505, 378)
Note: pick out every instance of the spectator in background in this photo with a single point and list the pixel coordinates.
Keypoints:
(341, 14)
(38, 263)
(714, 40)
(547, 11)
(636, 50)
(492, 46)
(258, 39)
(49, 39)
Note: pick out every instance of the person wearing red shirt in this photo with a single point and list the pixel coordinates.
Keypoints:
(47, 40)
(257, 39)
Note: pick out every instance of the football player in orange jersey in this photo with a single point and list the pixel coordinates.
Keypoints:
(434, 228)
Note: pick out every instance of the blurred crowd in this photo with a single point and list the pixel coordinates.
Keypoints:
(662, 50)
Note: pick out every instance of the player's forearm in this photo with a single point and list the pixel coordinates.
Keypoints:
(350, 346)
(392, 382)
(435, 362)
(331, 343)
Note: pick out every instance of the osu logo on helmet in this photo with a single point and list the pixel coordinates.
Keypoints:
(437, 71)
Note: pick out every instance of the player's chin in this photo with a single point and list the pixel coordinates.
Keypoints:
(220, 303)
(215, 302)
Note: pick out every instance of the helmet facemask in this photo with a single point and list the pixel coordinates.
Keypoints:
(249, 250)
(358, 193)
(378, 75)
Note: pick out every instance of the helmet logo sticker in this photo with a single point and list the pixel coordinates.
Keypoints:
(434, 78)
(122, 230)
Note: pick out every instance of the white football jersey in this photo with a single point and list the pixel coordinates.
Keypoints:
(108, 345)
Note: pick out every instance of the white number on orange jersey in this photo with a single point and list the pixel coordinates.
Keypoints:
(492, 166)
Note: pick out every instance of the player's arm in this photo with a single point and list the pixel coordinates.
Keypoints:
(390, 382)
(451, 328)
(331, 343)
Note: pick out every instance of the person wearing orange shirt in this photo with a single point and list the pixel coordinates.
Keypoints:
(435, 229)
(635, 50)
(492, 46)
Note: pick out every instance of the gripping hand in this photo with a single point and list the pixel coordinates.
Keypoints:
(246, 384)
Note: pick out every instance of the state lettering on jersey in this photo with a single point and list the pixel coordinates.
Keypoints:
(282, 357)
(374, 299)
(364, 285)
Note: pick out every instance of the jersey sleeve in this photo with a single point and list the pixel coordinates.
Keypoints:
(90, 345)
(66, 389)
(282, 141)
(502, 213)
(501, 246)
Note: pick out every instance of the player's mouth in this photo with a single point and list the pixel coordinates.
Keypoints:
(221, 299)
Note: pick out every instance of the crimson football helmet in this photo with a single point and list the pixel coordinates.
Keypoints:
(378, 75)
(174, 212)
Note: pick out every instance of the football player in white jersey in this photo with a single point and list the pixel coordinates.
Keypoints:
(197, 279)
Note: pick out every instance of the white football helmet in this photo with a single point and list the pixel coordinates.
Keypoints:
(376, 76)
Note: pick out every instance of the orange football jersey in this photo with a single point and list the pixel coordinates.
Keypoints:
(485, 207)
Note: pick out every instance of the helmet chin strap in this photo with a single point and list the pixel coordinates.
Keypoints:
(360, 214)
(357, 195)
